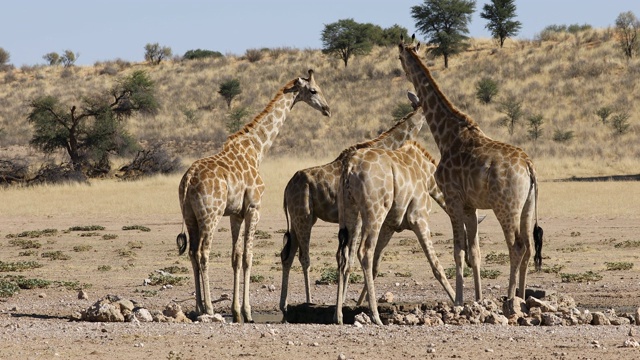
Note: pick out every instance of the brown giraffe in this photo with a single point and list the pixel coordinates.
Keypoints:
(311, 194)
(389, 191)
(229, 184)
(477, 172)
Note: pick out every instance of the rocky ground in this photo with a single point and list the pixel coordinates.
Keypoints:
(588, 311)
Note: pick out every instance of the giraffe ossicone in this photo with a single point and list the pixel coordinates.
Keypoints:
(229, 184)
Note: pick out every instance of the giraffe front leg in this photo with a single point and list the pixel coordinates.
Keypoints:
(421, 228)
(237, 251)
(251, 221)
(459, 247)
(473, 249)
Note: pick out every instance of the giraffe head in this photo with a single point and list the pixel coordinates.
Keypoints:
(308, 91)
(408, 52)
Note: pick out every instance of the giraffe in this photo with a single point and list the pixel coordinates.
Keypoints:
(477, 172)
(229, 184)
(311, 194)
(389, 191)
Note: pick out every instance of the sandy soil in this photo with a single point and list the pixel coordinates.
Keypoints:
(35, 324)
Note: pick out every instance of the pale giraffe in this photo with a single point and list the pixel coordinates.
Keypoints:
(476, 172)
(311, 194)
(229, 184)
(384, 191)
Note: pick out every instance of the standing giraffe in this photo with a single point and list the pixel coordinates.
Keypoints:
(389, 191)
(476, 172)
(229, 184)
(311, 194)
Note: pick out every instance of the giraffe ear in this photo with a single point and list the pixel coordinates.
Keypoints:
(418, 47)
(311, 75)
(296, 85)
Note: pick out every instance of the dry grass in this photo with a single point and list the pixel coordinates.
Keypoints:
(565, 80)
(159, 196)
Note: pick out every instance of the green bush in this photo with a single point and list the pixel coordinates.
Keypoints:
(486, 89)
(201, 54)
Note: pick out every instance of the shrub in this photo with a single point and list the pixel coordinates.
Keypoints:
(562, 136)
(512, 108)
(619, 265)
(401, 110)
(486, 89)
(620, 123)
(156, 159)
(201, 54)
(535, 126)
(87, 228)
(136, 227)
(587, 276)
(603, 113)
(254, 55)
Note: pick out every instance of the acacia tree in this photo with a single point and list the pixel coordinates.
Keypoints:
(69, 58)
(4, 57)
(154, 53)
(444, 23)
(500, 15)
(627, 27)
(93, 131)
(229, 90)
(346, 38)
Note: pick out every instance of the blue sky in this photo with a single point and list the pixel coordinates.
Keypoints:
(102, 30)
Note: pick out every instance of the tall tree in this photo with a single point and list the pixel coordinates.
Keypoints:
(500, 15)
(445, 24)
(346, 38)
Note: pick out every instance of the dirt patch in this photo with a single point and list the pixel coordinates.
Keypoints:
(35, 323)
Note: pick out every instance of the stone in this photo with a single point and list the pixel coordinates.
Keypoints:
(387, 297)
(618, 320)
(215, 318)
(103, 311)
(143, 315)
(125, 305)
(599, 319)
(537, 293)
(411, 319)
(497, 319)
(543, 305)
(515, 306)
(631, 343)
(82, 295)
(636, 316)
(363, 319)
(551, 319)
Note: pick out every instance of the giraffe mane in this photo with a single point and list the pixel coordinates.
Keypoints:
(432, 82)
(421, 149)
(248, 127)
(372, 142)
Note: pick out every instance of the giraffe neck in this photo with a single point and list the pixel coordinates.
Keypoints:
(405, 129)
(445, 121)
(264, 129)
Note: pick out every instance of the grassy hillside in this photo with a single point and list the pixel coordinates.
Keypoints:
(565, 79)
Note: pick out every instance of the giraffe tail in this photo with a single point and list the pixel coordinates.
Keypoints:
(182, 240)
(286, 238)
(537, 230)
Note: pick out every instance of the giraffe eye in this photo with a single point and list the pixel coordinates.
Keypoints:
(313, 91)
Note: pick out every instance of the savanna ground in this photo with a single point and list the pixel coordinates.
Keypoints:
(588, 226)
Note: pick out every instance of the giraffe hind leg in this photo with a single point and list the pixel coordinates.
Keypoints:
(287, 255)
